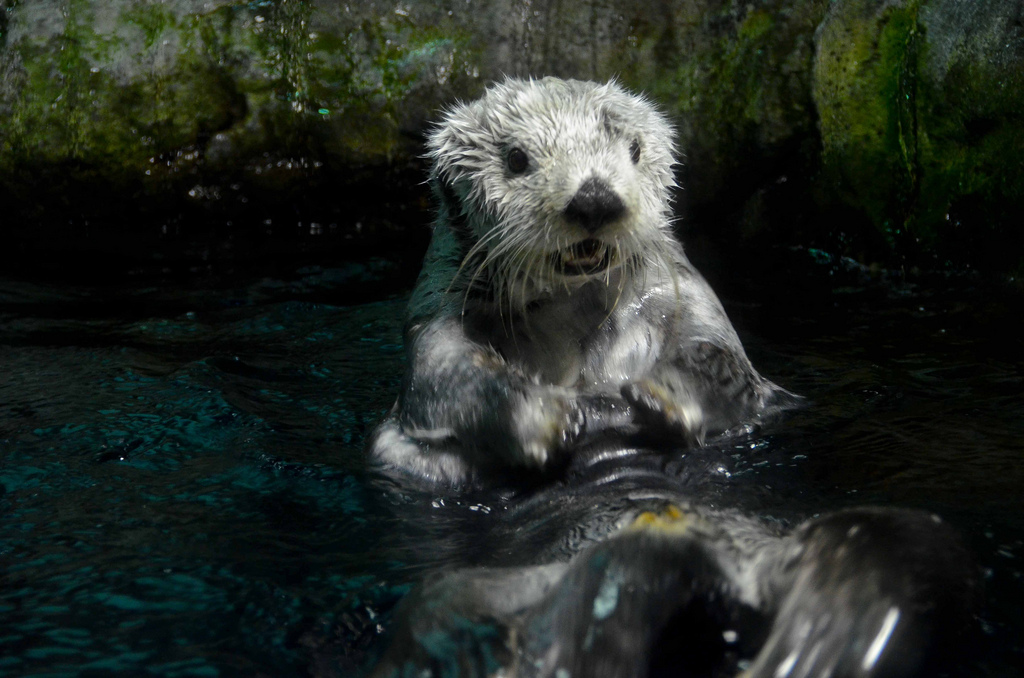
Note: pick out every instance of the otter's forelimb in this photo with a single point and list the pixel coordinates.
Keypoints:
(463, 396)
(696, 389)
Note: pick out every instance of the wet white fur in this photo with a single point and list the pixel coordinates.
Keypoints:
(501, 339)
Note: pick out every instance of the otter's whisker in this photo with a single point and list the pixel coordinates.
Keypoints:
(477, 248)
(609, 254)
(473, 252)
(565, 281)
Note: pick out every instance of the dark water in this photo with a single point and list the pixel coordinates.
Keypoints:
(183, 491)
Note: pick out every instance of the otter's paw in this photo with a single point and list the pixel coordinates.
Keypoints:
(545, 425)
(666, 410)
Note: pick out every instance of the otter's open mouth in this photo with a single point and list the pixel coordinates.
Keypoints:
(587, 257)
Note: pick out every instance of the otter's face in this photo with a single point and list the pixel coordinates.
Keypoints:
(555, 180)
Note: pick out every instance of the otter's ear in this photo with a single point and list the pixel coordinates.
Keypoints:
(458, 144)
(459, 148)
(448, 147)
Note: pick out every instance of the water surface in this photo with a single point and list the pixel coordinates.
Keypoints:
(183, 489)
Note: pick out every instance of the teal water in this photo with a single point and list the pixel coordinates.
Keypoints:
(183, 490)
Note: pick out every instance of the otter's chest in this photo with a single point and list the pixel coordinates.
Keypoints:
(581, 345)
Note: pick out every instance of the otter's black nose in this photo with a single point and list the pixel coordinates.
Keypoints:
(594, 205)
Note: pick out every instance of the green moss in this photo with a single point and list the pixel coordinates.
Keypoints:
(368, 76)
(738, 78)
(152, 18)
(740, 66)
(865, 90)
(258, 71)
(919, 156)
(48, 116)
(94, 132)
(973, 128)
(971, 168)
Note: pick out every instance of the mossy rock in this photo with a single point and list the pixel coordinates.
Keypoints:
(919, 106)
(883, 129)
(737, 78)
(178, 112)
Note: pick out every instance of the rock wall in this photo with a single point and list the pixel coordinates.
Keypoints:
(920, 112)
(886, 129)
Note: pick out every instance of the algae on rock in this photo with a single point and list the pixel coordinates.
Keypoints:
(919, 105)
(886, 129)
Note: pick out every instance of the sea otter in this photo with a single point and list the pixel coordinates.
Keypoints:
(555, 316)
(555, 303)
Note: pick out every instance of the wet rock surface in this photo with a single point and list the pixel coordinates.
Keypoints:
(211, 130)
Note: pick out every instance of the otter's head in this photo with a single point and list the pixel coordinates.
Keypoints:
(553, 182)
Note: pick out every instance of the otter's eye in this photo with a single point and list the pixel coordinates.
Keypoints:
(634, 151)
(517, 160)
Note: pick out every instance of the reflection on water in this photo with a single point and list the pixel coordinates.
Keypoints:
(183, 489)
